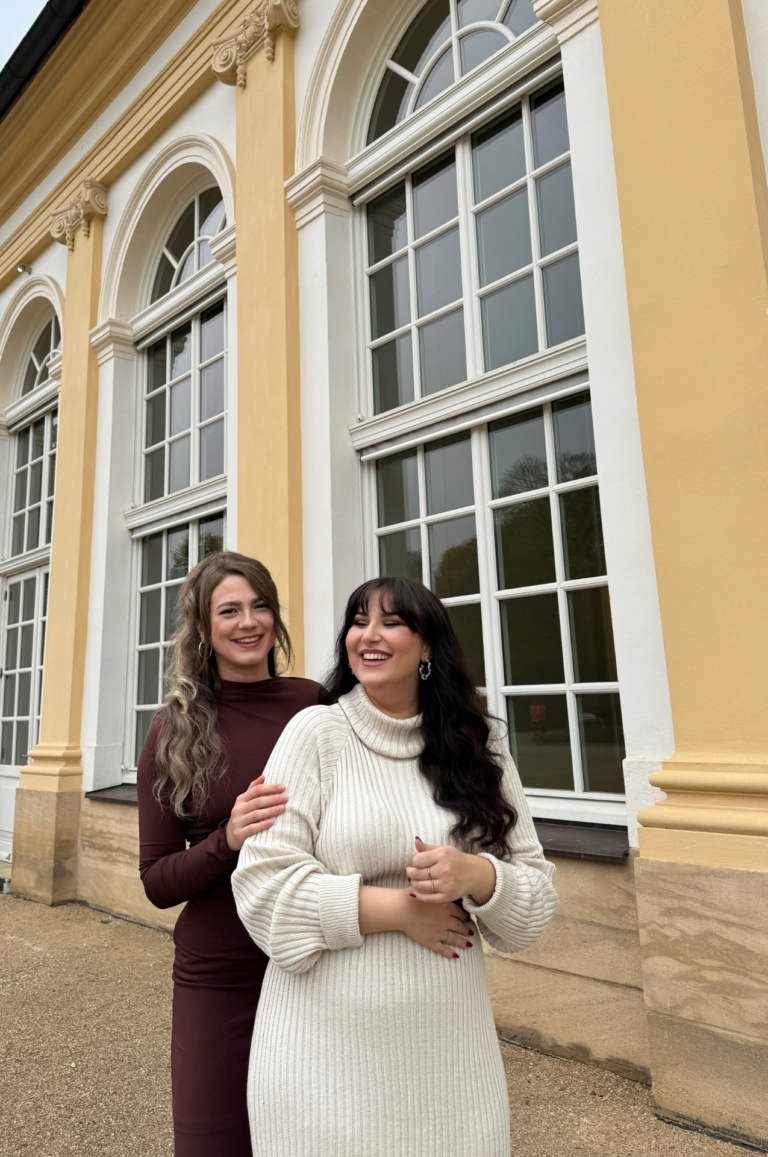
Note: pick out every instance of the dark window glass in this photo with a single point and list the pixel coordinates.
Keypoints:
(152, 560)
(148, 685)
(525, 552)
(181, 350)
(509, 324)
(562, 300)
(540, 742)
(594, 659)
(390, 298)
(211, 535)
(438, 272)
(453, 557)
(557, 214)
(183, 233)
(211, 212)
(156, 357)
(212, 451)
(387, 225)
(574, 438)
(478, 46)
(143, 724)
(504, 237)
(212, 329)
(443, 354)
(149, 619)
(471, 11)
(533, 651)
(520, 16)
(400, 554)
(440, 77)
(390, 105)
(448, 468)
(212, 390)
(162, 282)
(549, 124)
(181, 407)
(178, 552)
(426, 32)
(602, 741)
(154, 475)
(435, 196)
(498, 155)
(397, 484)
(582, 533)
(468, 625)
(393, 374)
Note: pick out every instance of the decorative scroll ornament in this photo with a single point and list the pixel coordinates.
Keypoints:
(259, 29)
(91, 201)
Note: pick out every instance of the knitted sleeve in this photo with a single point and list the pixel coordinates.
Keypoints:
(524, 898)
(291, 905)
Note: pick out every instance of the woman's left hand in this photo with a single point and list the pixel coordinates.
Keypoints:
(440, 874)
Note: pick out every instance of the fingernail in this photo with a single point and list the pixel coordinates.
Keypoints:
(455, 956)
(470, 932)
(413, 894)
(469, 944)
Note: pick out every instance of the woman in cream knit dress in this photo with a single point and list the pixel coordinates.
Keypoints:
(374, 1035)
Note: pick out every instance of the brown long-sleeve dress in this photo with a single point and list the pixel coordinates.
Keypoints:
(218, 970)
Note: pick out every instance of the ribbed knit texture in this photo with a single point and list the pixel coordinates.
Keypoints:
(373, 1046)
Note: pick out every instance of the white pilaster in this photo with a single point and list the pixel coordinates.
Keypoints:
(224, 250)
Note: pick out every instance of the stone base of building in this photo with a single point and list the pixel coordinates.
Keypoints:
(45, 845)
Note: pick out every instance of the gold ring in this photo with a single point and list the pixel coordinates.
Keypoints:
(429, 873)
(433, 885)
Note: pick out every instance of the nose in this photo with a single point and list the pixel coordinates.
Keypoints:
(371, 635)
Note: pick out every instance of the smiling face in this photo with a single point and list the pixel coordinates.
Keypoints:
(242, 631)
(384, 654)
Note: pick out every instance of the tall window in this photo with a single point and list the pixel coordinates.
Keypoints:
(34, 479)
(447, 40)
(184, 407)
(472, 258)
(26, 611)
(188, 249)
(503, 523)
(165, 560)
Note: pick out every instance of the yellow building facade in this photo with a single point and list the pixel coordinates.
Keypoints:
(473, 291)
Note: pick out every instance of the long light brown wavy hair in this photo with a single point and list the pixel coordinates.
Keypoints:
(189, 752)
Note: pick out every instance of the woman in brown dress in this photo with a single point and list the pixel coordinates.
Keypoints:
(200, 784)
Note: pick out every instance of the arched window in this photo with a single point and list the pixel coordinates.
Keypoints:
(445, 41)
(187, 249)
(46, 346)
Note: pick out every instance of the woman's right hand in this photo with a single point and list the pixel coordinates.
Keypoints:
(254, 811)
(443, 928)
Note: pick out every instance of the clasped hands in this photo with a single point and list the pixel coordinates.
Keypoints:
(441, 874)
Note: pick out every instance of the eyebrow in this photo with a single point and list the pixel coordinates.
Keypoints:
(236, 603)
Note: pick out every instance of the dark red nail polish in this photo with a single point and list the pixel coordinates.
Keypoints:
(455, 956)
(469, 944)
(470, 932)
(413, 894)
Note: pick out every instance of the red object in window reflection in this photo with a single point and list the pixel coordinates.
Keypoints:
(537, 712)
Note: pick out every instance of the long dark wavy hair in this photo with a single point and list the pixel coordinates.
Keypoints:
(189, 750)
(456, 761)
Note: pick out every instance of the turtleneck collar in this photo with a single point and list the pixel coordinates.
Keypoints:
(394, 738)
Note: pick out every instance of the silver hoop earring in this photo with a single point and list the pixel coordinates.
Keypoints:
(425, 669)
(201, 649)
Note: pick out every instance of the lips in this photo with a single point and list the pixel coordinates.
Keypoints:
(374, 658)
(249, 641)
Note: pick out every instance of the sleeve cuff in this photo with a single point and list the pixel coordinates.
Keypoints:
(339, 905)
(223, 850)
(482, 910)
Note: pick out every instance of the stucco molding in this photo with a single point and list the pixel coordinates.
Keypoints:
(90, 202)
(322, 187)
(112, 339)
(224, 250)
(566, 17)
(258, 30)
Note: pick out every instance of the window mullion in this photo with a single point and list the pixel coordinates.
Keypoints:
(487, 566)
(468, 249)
(425, 572)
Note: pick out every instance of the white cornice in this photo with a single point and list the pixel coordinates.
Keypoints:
(35, 401)
(323, 187)
(177, 300)
(22, 562)
(566, 17)
(113, 339)
(224, 250)
(190, 503)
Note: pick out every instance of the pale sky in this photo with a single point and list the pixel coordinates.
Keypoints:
(16, 18)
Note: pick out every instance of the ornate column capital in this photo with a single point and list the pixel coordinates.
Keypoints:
(259, 29)
(566, 17)
(91, 201)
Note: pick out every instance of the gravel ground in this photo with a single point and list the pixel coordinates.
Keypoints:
(85, 1019)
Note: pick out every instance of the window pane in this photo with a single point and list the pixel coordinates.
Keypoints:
(154, 475)
(171, 603)
(562, 300)
(400, 555)
(509, 324)
(594, 659)
(212, 450)
(155, 419)
(549, 124)
(163, 278)
(602, 741)
(212, 390)
(149, 624)
(435, 197)
(520, 16)
(518, 453)
(439, 78)
(211, 212)
(533, 651)
(6, 745)
(151, 559)
(183, 232)
(179, 465)
(11, 648)
(477, 46)
(557, 215)
(181, 406)
(181, 350)
(33, 528)
(38, 439)
(453, 557)
(25, 688)
(20, 491)
(17, 544)
(22, 742)
(504, 237)
(30, 379)
(574, 438)
(9, 695)
(540, 741)
(28, 608)
(498, 155)
(393, 374)
(387, 225)
(178, 552)
(210, 536)
(438, 272)
(22, 448)
(468, 625)
(54, 430)
(390, 105)
(472, 10)
(443, 355)
(525, 553)
(390, 298)
(14, 603)
(25, 650)
(212, 332)
(425, 34)
(156, 367)
(143, 724)
(148, 685)
(582, 533)
(397, 486)
(448, 468)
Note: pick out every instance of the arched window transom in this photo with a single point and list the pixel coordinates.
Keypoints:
(445, 41)
(46, 346)
(188, 249)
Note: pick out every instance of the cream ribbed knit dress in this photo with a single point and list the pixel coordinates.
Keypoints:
(372, 1046)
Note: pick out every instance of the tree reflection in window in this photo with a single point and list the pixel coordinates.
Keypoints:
(446, 40)
(188, 249)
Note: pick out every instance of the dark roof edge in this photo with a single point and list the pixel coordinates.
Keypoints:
(46, 32)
